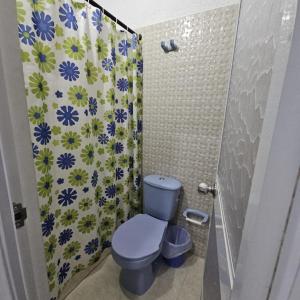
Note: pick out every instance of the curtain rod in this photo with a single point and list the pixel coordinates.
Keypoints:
(112, 17)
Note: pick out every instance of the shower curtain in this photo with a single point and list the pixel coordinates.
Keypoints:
(84, 95)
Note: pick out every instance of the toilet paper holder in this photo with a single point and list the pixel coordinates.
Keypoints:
(200, 217)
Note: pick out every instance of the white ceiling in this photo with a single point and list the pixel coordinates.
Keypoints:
(140, 13)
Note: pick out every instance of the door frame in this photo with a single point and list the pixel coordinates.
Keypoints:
(22, 249)
(286, 283)
(286, 280)
(11, 282)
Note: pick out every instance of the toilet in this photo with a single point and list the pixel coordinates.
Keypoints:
(138, 242)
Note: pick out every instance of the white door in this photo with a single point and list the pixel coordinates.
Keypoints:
(22, 262)
(270, 241)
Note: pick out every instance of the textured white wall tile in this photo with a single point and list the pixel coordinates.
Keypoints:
(262, 26)
(184, 101)
(141, 13)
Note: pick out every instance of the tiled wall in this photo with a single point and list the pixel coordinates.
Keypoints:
(144, 13)
(263, 26)
(184, 101)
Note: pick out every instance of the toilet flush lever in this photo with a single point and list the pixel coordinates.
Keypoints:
(205, 189)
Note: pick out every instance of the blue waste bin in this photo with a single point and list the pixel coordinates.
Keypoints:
(176, 244)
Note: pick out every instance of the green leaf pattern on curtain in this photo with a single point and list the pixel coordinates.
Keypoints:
(84, 94)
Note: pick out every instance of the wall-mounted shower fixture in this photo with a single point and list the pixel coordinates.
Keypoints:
(169, 46)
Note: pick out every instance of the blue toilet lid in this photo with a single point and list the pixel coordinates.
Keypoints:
(139, 237)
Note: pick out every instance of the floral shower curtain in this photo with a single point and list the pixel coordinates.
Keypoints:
(84, 94)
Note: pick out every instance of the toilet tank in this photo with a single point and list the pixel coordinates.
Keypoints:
(161, 196)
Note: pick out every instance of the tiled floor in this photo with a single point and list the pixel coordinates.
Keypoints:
(170, 284)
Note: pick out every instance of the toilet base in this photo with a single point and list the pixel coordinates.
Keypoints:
(137, 281)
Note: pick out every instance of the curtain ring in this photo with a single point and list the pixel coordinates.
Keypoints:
(89, 4)
(116, 23)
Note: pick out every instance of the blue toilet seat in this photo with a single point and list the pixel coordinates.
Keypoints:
(138, 241)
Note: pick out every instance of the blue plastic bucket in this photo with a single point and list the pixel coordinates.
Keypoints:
(175, 262)
(177, 242)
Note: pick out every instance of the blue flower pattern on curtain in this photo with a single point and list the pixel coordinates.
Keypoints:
(84, 95)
